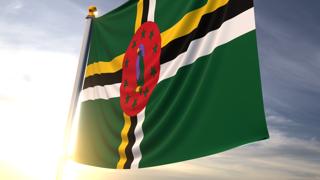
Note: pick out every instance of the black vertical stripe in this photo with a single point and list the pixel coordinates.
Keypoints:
(209, 22)
(134, 119)
(145, 11)
(132, 140)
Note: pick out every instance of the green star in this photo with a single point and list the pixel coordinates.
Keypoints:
(134, 103)
(125, 84)
(126, 63)
(143, 34)
(155, 48)
(134, 44)
(127, 98)
(151, 35)
(146, 92)
(153, 71)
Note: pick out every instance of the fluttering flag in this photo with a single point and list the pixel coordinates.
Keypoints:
(169, 81)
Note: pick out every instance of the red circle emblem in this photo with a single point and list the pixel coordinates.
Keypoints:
(140, 69)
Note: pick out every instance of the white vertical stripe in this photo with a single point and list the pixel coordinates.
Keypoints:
(231, 29)
(152, 9)
(138, 132)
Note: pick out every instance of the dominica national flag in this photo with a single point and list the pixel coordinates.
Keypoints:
(169, 81)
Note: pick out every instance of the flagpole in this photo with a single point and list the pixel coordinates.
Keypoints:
(78, 85)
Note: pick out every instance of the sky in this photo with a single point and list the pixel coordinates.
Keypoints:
(39, 48)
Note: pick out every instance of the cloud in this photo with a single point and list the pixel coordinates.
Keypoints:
(45, 25)
(13, 7)
(38, 38)
(280, 157)
(35, 93)
(289, 63)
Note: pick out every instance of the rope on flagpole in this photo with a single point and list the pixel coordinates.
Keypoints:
(78, 85)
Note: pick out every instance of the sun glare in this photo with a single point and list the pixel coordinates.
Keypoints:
(34, 97)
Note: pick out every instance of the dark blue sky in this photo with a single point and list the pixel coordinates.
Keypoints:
(288, 33)
(289, 44)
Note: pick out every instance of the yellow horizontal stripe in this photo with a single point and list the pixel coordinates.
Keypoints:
(185, 26)
(105, 67)
(124, 142)
(190, 21)
(116, 64)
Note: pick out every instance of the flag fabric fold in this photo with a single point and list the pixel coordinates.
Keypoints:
(169, 81)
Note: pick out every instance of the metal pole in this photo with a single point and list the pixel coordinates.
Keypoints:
(78, 85)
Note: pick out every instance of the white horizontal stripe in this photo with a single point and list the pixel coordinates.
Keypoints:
(152, 8)
(231, 29)
(100, 92)
(138, 133)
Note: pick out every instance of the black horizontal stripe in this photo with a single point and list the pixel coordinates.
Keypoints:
(102, 79)
(132, 140)
(209, 22)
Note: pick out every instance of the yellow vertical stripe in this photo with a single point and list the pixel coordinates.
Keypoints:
(124, 142)
(139, 14)
(183, 27)
(114, 67)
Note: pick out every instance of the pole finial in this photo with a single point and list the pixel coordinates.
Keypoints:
(92, 11)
